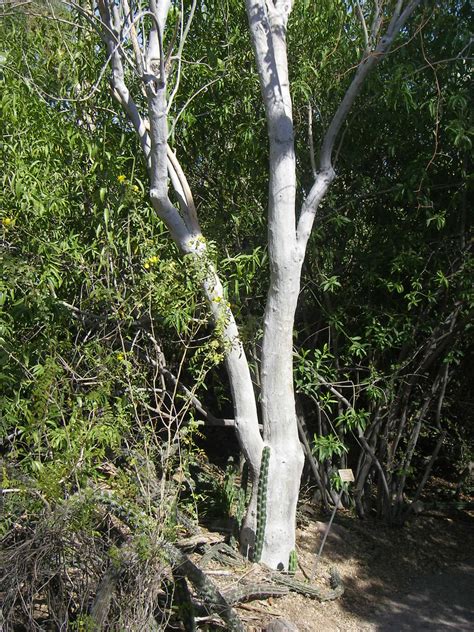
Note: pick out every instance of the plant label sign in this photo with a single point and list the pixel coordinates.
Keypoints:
(347, 476)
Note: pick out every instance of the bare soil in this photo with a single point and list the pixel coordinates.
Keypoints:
(420, 577)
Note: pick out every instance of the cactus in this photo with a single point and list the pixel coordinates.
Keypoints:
(124, 510)
(261, 504)
(293, 562)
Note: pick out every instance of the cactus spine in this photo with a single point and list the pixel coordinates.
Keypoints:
(261, 504)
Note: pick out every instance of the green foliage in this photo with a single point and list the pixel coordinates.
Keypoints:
(220, 495)
(235, 494)
(94, 296)
(86, 267)
(337, 484)
(352, 419)
(309, 364)
(84, 623)
(394, 232)
(325, 447)
(93, 299)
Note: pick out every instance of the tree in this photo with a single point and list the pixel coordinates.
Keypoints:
(145, 71)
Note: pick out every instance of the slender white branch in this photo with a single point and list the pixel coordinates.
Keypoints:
(120, 91)
(182, 41)
(183, 191)
(376, 22)
(155, 62)
(326, 172)
(364, 68)
(361, 17)
(395, 16)
(133, 36)
(311, 140)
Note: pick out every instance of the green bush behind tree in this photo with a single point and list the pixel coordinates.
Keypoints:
(95, 299)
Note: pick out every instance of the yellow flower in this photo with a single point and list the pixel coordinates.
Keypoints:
(120, 357)
(151, 261)
(7, 221)
(135, 188)
(121, 179)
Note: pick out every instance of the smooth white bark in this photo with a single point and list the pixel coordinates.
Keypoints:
(268, 29)
(287, 247)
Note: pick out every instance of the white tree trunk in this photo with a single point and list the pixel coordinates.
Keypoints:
(268, 26)
(286, 241)
(287, 246)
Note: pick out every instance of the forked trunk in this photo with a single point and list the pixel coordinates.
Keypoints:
(269, 527)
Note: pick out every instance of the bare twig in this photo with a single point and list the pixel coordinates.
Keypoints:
(311, 141)
(178, 56)
(361, 17)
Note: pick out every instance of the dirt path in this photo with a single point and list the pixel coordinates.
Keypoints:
(417, 578)
(434, 602)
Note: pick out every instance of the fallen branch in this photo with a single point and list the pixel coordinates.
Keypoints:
(249, 592)
(336, 591)
(224, 554)
(205, 587)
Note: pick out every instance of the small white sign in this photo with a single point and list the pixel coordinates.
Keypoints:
(347, 476)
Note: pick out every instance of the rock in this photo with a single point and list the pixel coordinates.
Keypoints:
(337, 532)
(281, 625)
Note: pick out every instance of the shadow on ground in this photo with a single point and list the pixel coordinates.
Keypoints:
(429, 602)
(420, 577)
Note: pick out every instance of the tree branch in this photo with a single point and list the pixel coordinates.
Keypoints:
(326, 171)
(361, 17)
(311, 141)
(182, 41)
(110, 34)
(133, 36)
(365, 66)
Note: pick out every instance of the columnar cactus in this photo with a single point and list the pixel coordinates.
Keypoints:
(261, 504)
(293, 562)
